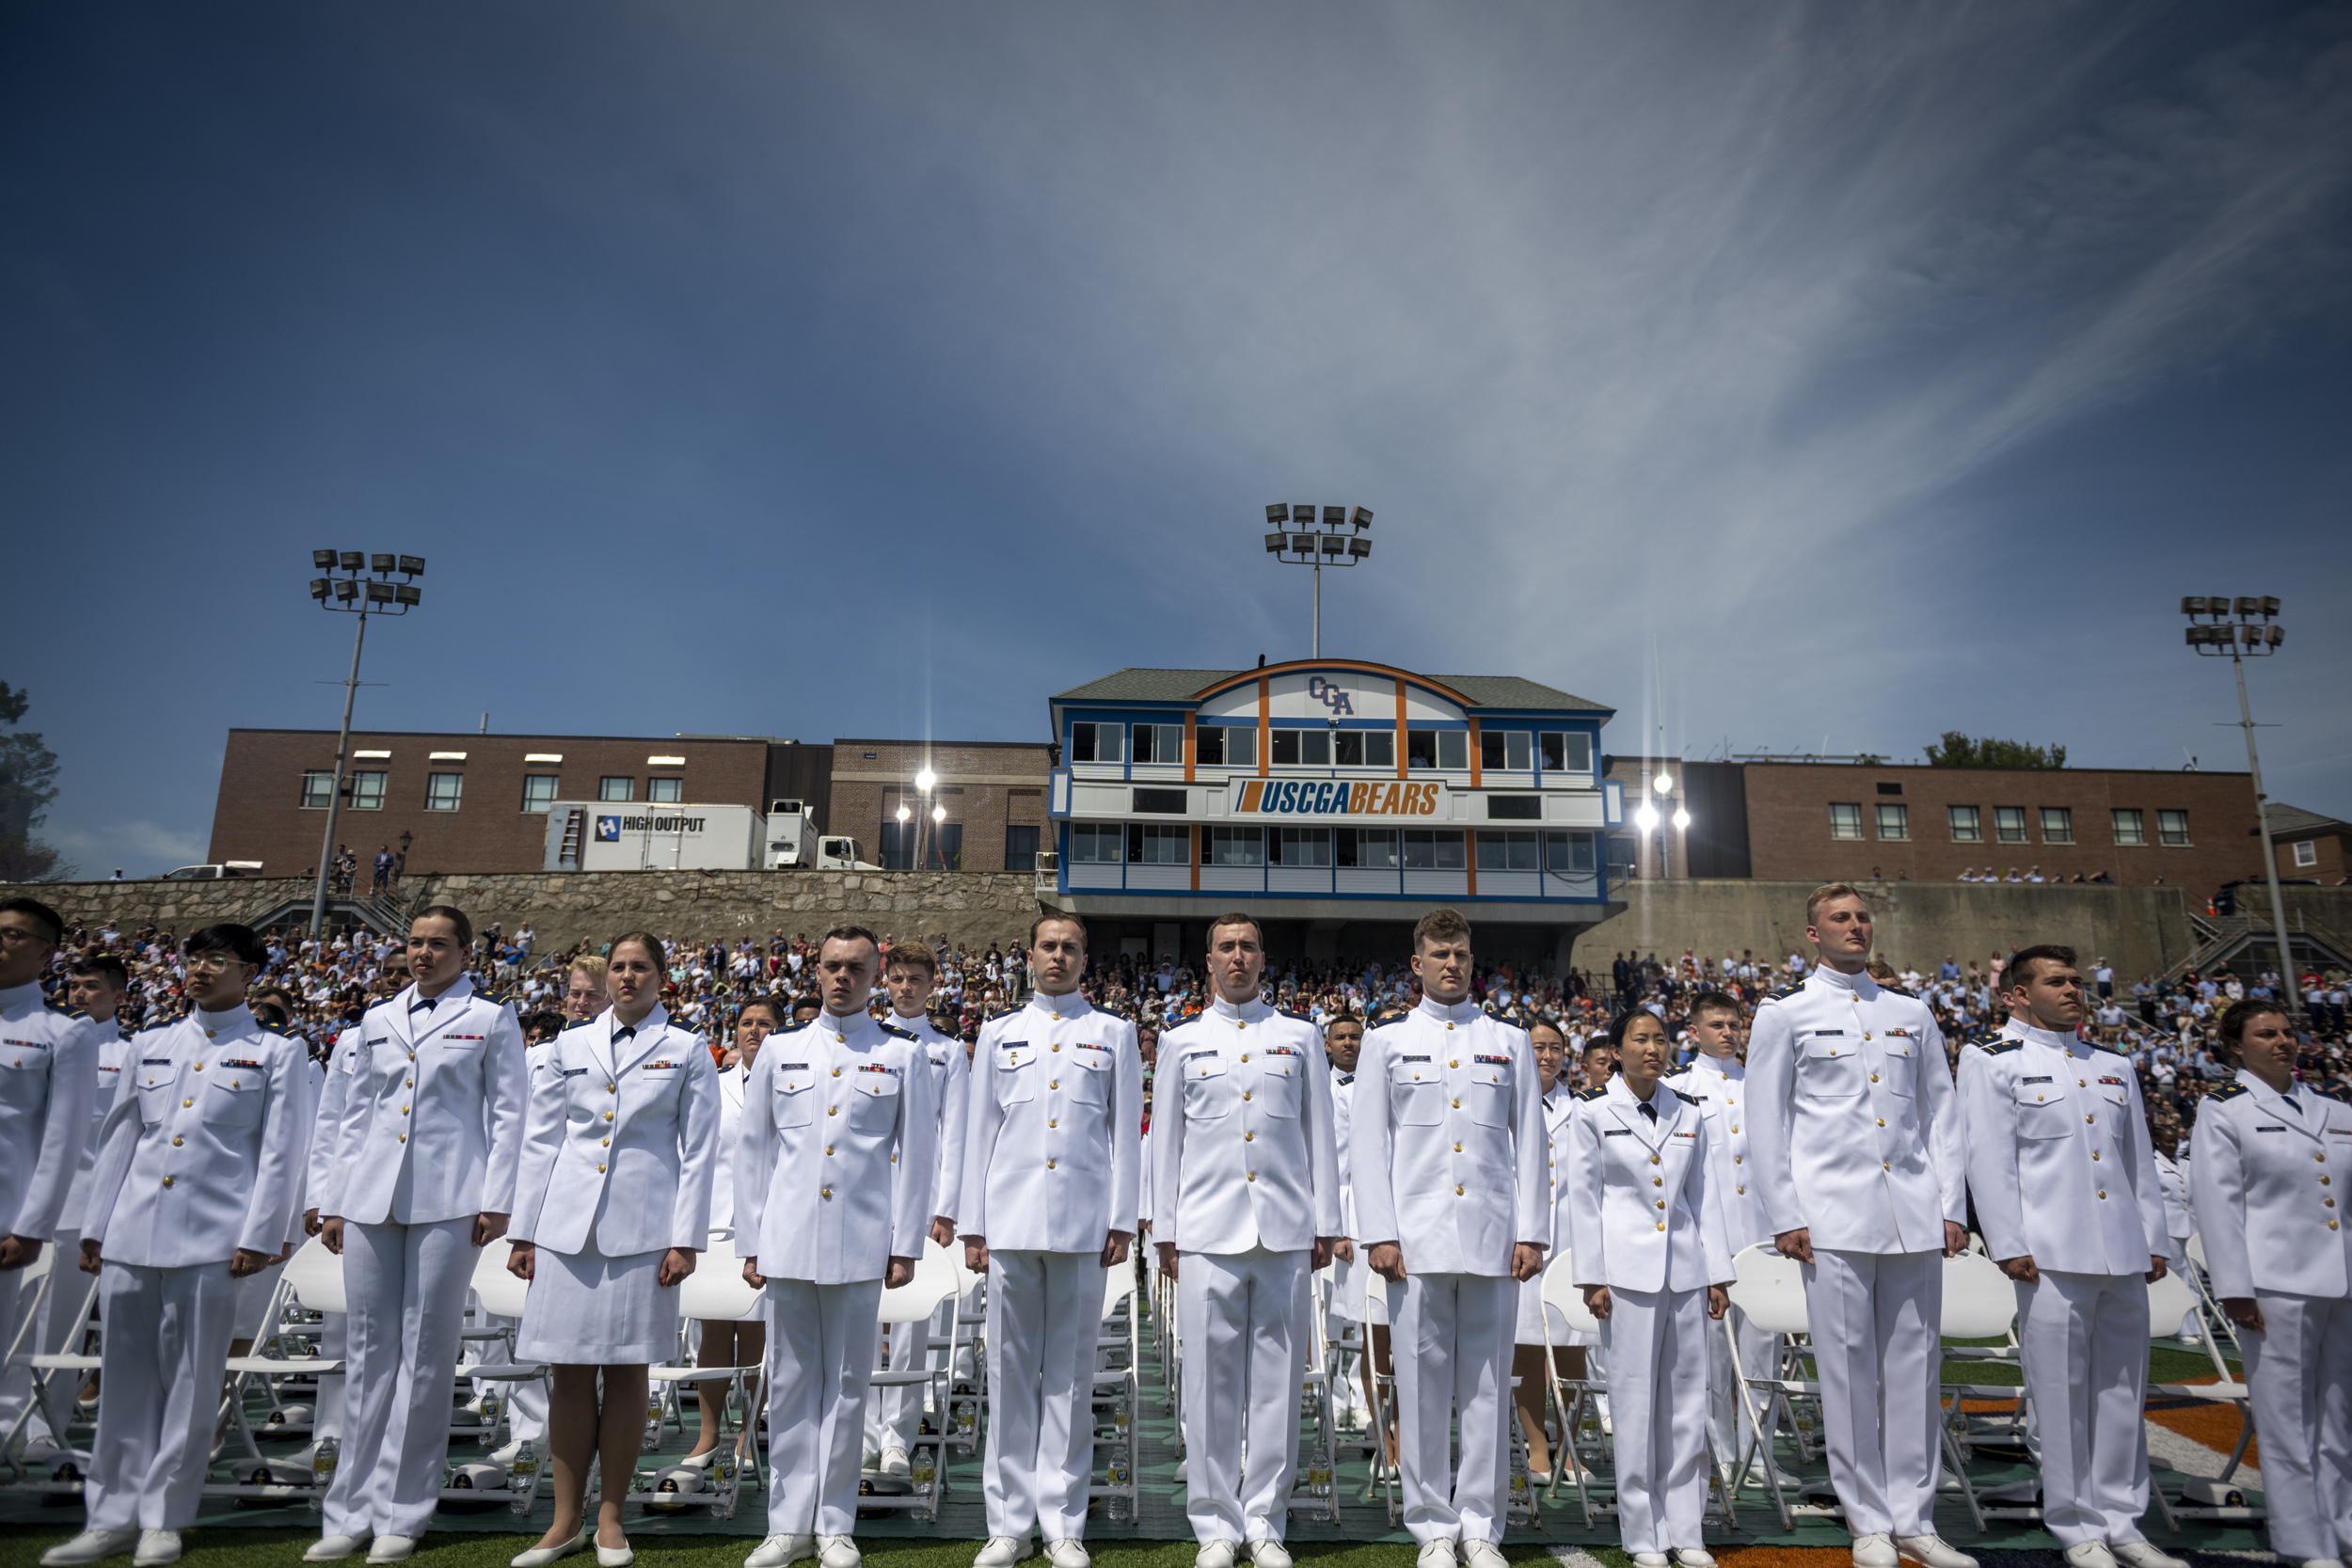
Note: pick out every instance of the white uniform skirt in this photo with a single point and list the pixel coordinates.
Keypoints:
(587, 1309)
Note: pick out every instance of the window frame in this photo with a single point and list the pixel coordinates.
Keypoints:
(534, 806)
(655, 797)
(1506, 843)
(1843, 829)
(2305, 853)
(604, 788)
(1437, 841)
(2002, 817)
(1094, 732)
(1571, 842)
(322, 796)
(2173, 830)
(368, 788)
(2064, 816)
(1974, 833)
(1161, 737)
(1310, 846)
(1896, 812)
(1015, 858)
(1215, 838)
(1572, 741)
(1158, 837)
(1347, 850)
(2131, 833)
(439, 800)
(1089, 842)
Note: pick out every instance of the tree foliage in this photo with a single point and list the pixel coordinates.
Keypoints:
(28, 771)
(1959, 750)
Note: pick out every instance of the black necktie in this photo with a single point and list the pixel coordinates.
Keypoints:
(1650, 1109)
(2288, 1100)
(626, 1030)
(424, 1005)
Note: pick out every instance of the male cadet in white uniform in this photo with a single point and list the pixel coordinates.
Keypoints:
(892, 1415)
(1343, 1043)
(1052, 1160)
(1718, 1080)
(197, 1186)
(49, 1064)
(1857, 1149)
(1246, 1187)
(832, 1189)
(1451, 1197)
(2067, 1193)
(429, 1138)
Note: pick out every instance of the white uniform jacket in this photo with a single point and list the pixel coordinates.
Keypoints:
(635, 1116)
(1638, 1215)
(1721, 1087)
(2058, 1156)
(1241, 1136)
(1052, 1152)
(1559, 1111)
(203, 1150)
(732, 1082)
(951, 1085)
(431, 1124)
(2178, 1223)
(1857, 1133)
(833, 1160)
(48, 1077)
(323, 1184)
(1343, 1124)
(114, 1051)
(2270, 1190)
(1447, 1141)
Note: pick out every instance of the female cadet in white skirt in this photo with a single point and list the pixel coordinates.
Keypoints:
(1550, 1047)
(611, 1205)
(729, 1342)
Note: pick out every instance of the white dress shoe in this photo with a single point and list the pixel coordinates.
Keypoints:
(1651, 1559)
(333, 1549)
(391, 1548)
(1002, 1551)
(539, 1557)
(514, 1451)
(838, 1551)
(1269, 1553)
(894, 1462)
(2141, 1554)
(1931, 1551)
(1182, 1466)
(1693, 1557)
(156, 1547)
(91, 1545)
(1875, 1551)
(616, 1556)
(2090, 1554)
(1068, 1552)
(1436, 1554)
(780, 1551)
(1215, 1554)
(1482, 1554)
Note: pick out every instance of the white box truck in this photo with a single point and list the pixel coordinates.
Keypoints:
(795, 845)
(611, 835)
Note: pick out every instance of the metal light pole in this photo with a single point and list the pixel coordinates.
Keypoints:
(379, 595)
(1293, 538)
(924, 782)
(2254, 634)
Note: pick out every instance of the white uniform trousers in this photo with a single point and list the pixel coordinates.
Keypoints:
(1245, 1327)
(327, 1415)
(404, 1291)
(1726, 1420)
(2299, 1378)
(1657, 1339)
(1450, 1340)
(820, 1353)
(161, 1363)
(2084, 1339)
(1875, 1321)
(1044, 1313)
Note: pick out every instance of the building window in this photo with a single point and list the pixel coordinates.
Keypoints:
(1162, 803)
(1365, 748)
(367, 791)
(943, 847)
(1225, 746)
(1298, 846)
(1565, 750)
(896, 847)
(668, 791)
(1887, 788)
(1515, 808)
(1442, 748)
(1365, 849)
(318, 788)
(1967, 826)
(2058, 825)
(2130, 827)
(1097, 843)
(443, 790)
(1162, 743)
(1844, 819)
(538, 791)
(609, 788)
(1569, 854)
(1302, 748)
(1894, 821)
(1151, 844)
(2306, 854)
(1232, 847)
(2173, 828)
(1021, 847)
(1507, 751)
(1506, 852)
(1429, 849)
(2008, 824)
(1097, 742)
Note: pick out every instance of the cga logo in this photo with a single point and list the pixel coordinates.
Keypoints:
(1330, 695)
(608, 830)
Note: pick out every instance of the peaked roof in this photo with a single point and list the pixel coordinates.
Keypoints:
(1134, 685)
(2294, 821)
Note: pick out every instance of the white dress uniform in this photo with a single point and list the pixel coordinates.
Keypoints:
(1348, 1275)
(1639, 1222)
(2059, 1163)
(2266, 1169)
(428, 1134)
(1559, 1109)
(1720, 1084)
(1856, 1137)
(1052, 1160)
(1247, 1178)
(1448, 1152)
(201, 1156)
(2172, 1176)
(894, 1415)
(319, 1185)
(618, 1156)
(832, 1178)
(27, 1139)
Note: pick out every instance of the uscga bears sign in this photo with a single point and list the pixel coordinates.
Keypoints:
(1380, 799)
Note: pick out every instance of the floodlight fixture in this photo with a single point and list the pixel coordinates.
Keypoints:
(1304, 543)
(2274, 634)
(939, 814)
(380, 593)
(1646, 819)
(409, 593)
(1277, 514)
(320, 588)
(1334, 544)
(1681, 817)
(352, 560)
(2271, 604)
(1663, 784)
(412, 564)
(1334, 516)
(925, 780)
(903, 813)
(1274, 542)
(1359, 548)
(381, 563)
(347, 591)
(1359, 516)
(1315, 536)
(323, 561)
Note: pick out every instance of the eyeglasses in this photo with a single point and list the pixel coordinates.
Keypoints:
(205, 963)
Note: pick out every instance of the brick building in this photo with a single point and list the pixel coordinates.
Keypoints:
(993, 793)
(2311, 847)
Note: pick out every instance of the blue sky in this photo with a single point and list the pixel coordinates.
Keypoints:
(1840, 374)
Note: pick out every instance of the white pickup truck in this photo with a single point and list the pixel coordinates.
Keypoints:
(795, 845)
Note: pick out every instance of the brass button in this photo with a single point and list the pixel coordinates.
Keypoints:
(177, 1142)
(1866, 1034)
(2103, 1194)
(1253, 1137)
(1874, 1078)
(1449, 1023)
(1653, 1159)
(1056, 1048)
(409, 1083)
(404, 1137)
(829, 1109)
(200, 1067)
(607, 1143)
(613, 1088)
(1662, 1225)
(1657, 1180)
(1457, 1149)
(2082, 1083)
(1735, 1127)
(1662, 1203)
(2326, 1203)
(1244, 1056)
(607, 1116)
(1882, 1121)
(1253, 1176)
(599, 1170)
(1052, 1121)
(2094, 1154)
(2331, 1224)
(1885, 1165)
(167, 1180)
(824, 1191)
(412, 1055)
(1048, 1165)
(1456, 1062)
(2086, 1120)
(1457, 1105)
(1241, 1023)
(829, 1148)
(186, 1103)
(1457, 1191)
(1245, 1094)
(1738, 1159)
(2321, 1158)
(836, 1072)
(404, 1110)
(2327, 1180)
(210, 1033)
(1743, 1192)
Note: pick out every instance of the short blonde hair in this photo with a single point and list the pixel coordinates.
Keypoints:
(590, 965)
(1827, 891)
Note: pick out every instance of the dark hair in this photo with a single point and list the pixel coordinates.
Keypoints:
(2233, 1023)
(809, 1004)
(1711, 1001)
(2021, 962)
(118, 977)
(776, 1010)
(1547, 1023)
(39, 911)
(544, 1021)
(1338, 1019)
(236, 941)
(1623, 1025)
(1237, 918)
(647, 939)
(450, 912)
(1050, 916)
(913, 954)
(1597, 1042)
(1438, 924)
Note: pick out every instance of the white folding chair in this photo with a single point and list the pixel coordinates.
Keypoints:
(1314, 1490)
(908, 1309)
(502, 1293)
(1117, 1391)
(47, 1274)
(1380, 1354)
(1769, 1288)
(2218, 1497)
(1575, 1398)
(1979, 1303)
(717, 1292)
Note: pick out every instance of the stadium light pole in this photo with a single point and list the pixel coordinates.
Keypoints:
(353, 595)
(2254, 633)
(926, 782)
(1295, 537)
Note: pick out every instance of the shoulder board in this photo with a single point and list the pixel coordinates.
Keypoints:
(1898, 990)
(283, 1031)
(1784, 992)
(1686, 1098)
(2111, 1050)
(1003, 1012)
(901, 1034)
(66, 1008)
(787, 1029)
(1381, 1021)
(1293, 1012)
(2230, 1092)
(1592, 1094)
(2003, 1046)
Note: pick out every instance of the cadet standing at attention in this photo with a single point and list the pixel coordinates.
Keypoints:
(2071, 1210)
(1248, 1203)
(2266, 1164)
(428, 1134)
(1448, 1136)
(1857, 1143)
(1051, 1165)
(832, 1189)
(1549, 1048)
(197, 1186)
